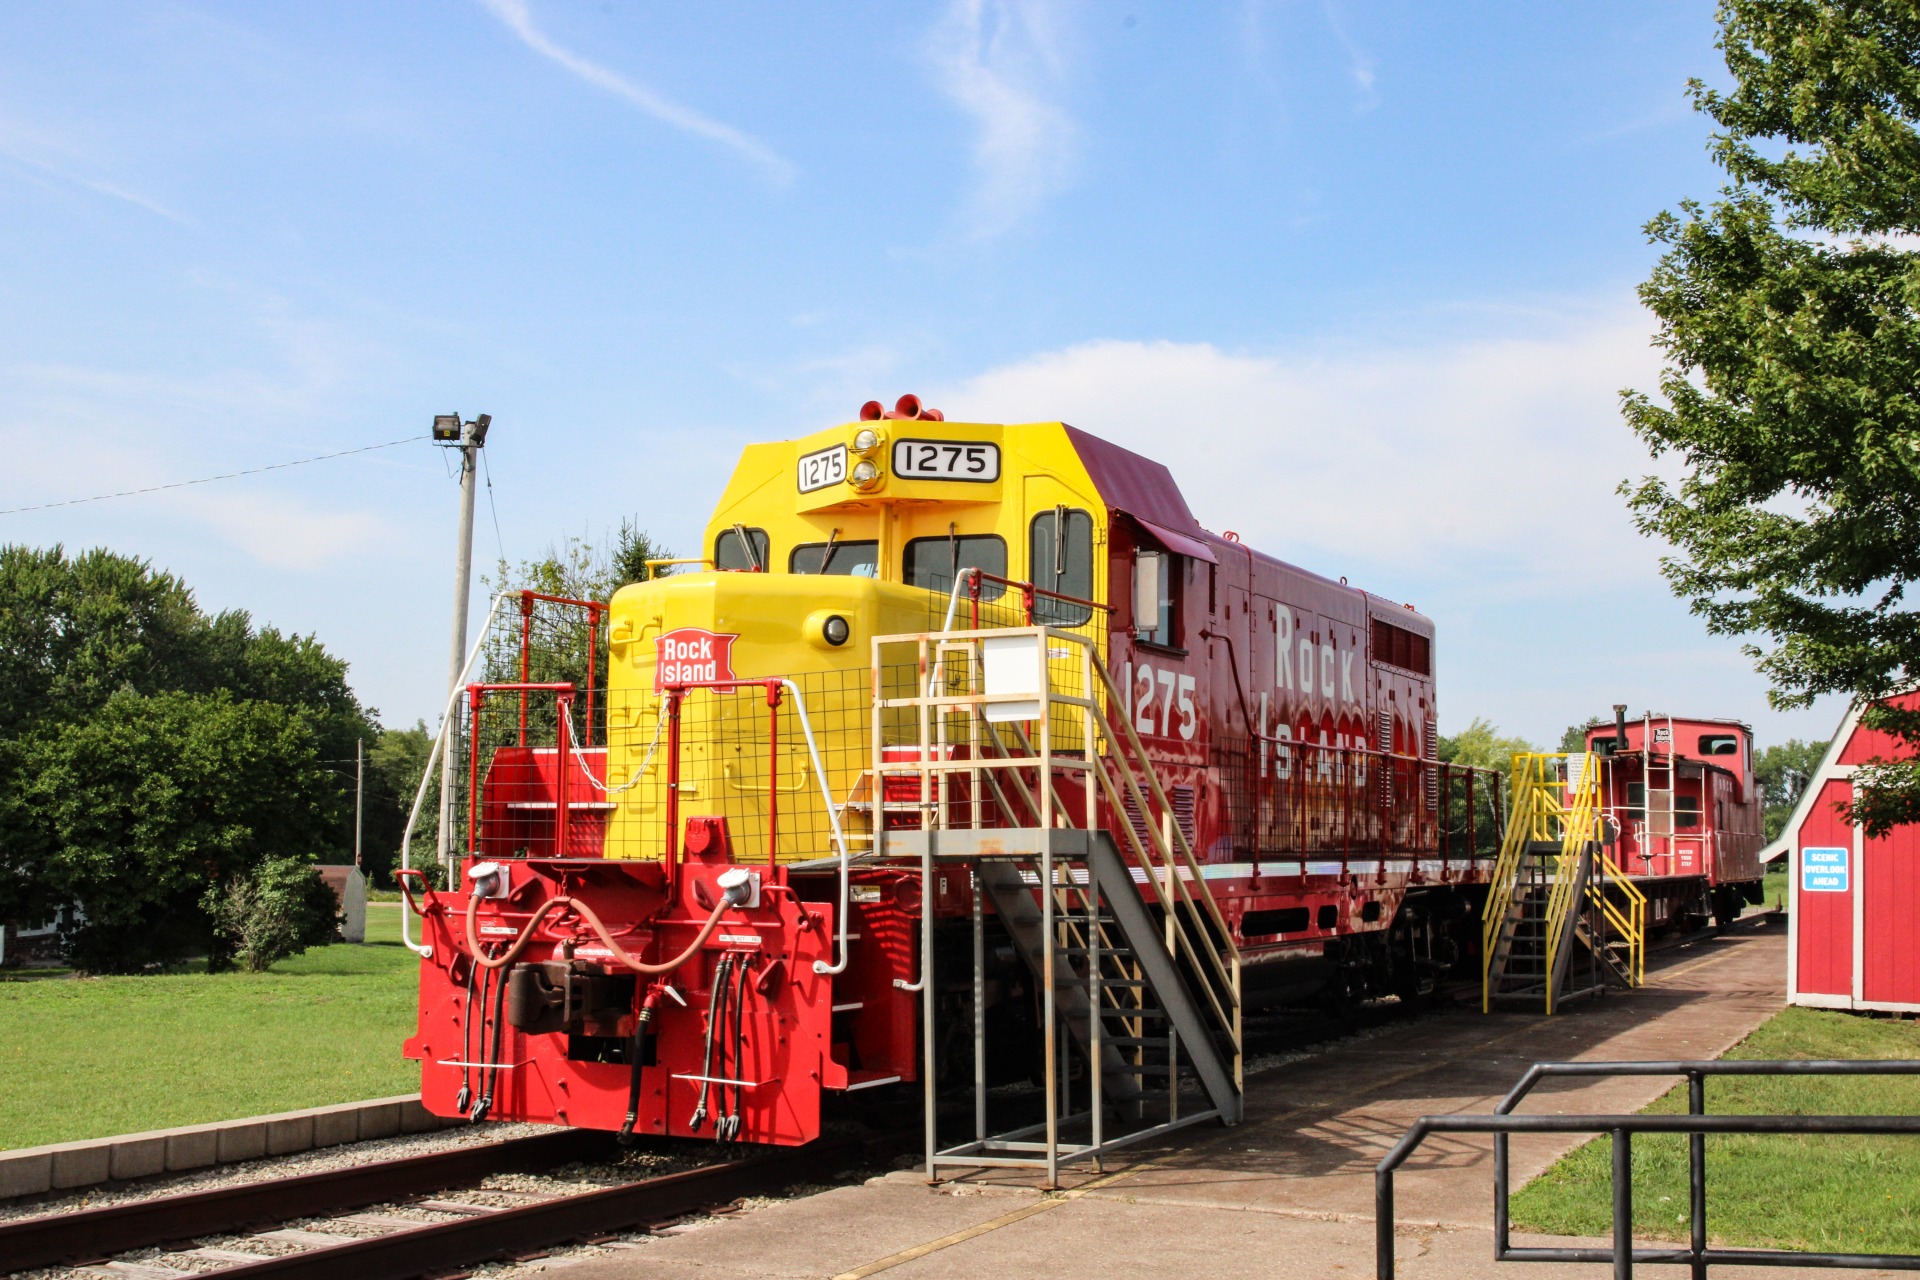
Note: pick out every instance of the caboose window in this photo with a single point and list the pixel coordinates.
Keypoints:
(730, 551)
(1686, 812)
(934, 563)
(1719, 744)
(1060, 558)
(844, 559)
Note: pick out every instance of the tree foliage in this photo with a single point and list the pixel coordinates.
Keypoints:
(559, 644)
(1574, 737)
(1789, 314)
(1480, 746)
(1782, 772)
(150, 755)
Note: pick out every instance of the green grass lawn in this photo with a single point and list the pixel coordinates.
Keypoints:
(1773, 885)
(85, 1058)
(1843, 1194)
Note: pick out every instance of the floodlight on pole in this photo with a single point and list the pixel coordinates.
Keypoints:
(469, 438)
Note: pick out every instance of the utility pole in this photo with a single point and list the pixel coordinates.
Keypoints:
(468, 437)
(359, 795)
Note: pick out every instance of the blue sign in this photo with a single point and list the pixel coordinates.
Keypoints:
(1823, 870)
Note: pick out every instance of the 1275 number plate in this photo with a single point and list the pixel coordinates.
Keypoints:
(946, 460)
(822, 468)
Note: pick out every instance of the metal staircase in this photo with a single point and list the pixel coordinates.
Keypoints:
(1137, 975)
(1561, 920)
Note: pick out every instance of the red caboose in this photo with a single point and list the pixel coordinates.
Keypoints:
(1685, 812)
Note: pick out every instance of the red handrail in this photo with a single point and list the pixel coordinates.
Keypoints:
(1028, 592)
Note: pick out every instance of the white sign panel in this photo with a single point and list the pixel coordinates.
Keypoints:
(1823, 870)
(822, 468)
(946, 460)
(1013, 667)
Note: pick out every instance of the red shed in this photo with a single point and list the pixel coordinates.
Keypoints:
(1854, 931)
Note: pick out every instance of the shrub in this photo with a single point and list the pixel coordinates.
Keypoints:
(278, 909)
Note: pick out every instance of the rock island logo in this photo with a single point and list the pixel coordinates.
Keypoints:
(691, 655)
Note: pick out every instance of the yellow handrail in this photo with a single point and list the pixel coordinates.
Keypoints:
(1556, 797)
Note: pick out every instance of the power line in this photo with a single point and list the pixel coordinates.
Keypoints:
(497, 539)
(181, 484)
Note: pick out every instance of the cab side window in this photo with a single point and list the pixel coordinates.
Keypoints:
(1060, 558)
(1156, 598)
(934, 563)
(733, 551)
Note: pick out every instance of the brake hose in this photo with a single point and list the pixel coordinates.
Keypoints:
(741, 974)
(465, 1097)
(638, 1051)
(730, 897)
(490, 1069)
(716, 1013)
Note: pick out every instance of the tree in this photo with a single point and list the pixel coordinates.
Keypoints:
(578, 570)
(147, 811)
(1480, 746)
(1782, 772)
(558, 644)
(1789, 314)
(277, 910)
(150, 754)
(395, 763)
(1575, 736)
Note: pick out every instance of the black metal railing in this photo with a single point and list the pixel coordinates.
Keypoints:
(1697, 1124)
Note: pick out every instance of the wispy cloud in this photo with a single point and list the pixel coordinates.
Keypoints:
(519, 20)
(47, 158)
(1360, 63)
(999, 60)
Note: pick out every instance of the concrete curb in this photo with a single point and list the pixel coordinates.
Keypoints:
(60, 1166)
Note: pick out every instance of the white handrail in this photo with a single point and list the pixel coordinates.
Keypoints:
(833, 821)
(425, 950)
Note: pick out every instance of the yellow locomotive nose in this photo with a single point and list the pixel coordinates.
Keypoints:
(711, 627)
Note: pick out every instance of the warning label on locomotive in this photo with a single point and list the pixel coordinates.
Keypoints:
(691, 655)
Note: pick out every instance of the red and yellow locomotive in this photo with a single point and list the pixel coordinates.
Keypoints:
(933, 688)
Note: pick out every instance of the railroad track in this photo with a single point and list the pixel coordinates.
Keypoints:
(460, 1227)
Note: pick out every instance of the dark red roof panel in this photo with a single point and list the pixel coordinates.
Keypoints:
(1143, 489)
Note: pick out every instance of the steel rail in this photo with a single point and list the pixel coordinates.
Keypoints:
(529, 1228)
(88, 1234)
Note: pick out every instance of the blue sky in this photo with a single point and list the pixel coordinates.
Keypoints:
(1362, 274)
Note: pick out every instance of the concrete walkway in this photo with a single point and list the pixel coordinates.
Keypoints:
(1287, 1194)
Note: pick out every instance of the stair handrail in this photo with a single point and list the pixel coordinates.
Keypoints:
(1170, 866)
(1631, 923)
(1522, 820)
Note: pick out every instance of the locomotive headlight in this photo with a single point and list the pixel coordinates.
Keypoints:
(867, 443)
(866, 474)
(825, 629)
